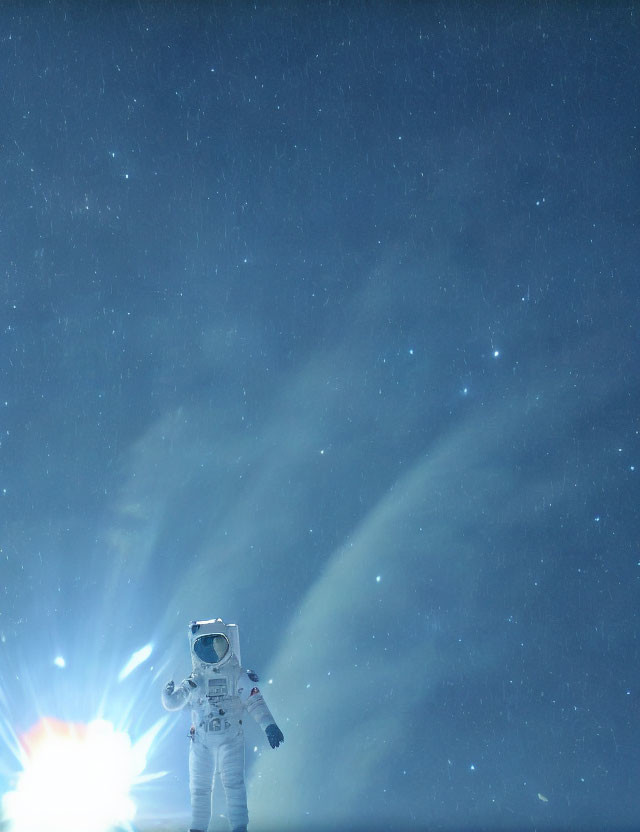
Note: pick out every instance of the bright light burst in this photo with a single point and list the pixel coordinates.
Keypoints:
(76, 777)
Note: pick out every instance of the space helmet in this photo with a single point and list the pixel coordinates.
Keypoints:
(213, 643)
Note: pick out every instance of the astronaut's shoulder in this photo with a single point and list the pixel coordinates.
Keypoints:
(247, 684)
(247, 677)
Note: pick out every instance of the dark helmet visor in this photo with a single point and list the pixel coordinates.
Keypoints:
(211, 648)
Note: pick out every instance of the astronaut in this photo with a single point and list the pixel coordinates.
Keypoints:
(219, 691)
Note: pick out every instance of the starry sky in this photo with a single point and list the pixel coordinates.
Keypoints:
(323, 318)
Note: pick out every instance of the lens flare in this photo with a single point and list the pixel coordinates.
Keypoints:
(76, 777)
(136, 659)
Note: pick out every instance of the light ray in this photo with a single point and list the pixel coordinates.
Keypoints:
(136, 659)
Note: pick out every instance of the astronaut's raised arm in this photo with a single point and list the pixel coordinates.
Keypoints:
(174, 698)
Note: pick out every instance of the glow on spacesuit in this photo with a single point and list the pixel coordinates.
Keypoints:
(76, 777)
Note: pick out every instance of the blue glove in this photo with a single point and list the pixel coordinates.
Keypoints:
(274, 735)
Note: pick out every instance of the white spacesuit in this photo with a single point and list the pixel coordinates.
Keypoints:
(218, 691)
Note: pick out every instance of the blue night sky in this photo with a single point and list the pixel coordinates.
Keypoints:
(323, 317)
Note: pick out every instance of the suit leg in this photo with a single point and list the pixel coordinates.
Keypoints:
(201, 770)
(231, 764)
